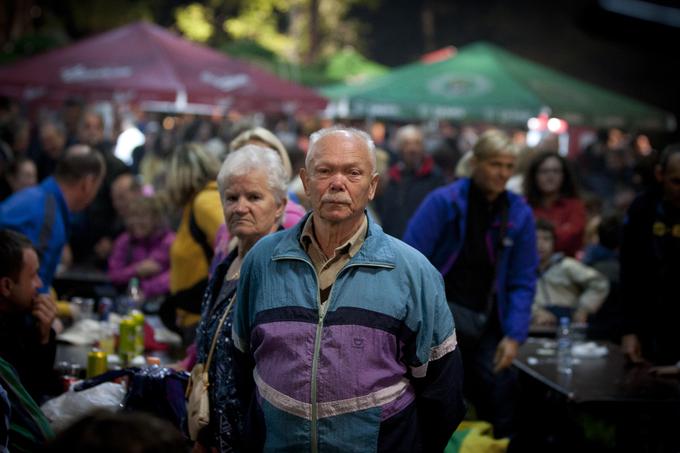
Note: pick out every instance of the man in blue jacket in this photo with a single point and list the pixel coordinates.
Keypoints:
(345, 340)
(482, 240)
(42, 212)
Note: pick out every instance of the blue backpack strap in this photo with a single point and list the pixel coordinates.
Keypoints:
(48, 224)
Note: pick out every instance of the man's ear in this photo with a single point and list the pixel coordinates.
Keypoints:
(303, 177)
(6, 285)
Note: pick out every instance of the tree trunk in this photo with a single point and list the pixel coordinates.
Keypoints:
(427, 20)
(312, 52)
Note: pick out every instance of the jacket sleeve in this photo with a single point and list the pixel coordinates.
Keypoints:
(243, 360)
(438, 380)
(595, 286)
(439, 400)
(425, 226)
(120, 271)
(520, 282)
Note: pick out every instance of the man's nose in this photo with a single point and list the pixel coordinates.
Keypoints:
(337, 181)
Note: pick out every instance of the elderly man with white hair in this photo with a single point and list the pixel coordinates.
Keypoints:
(409, 181)
(346, 342)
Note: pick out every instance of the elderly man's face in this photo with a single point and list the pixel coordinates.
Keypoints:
(339, 180)
(412, 150)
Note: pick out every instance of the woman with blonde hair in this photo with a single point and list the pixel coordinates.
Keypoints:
(191, 185)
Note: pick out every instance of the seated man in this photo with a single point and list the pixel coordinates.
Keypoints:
(27, 340)
(23, 426)
(566, 287)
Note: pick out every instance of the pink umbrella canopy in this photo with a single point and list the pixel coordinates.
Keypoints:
(144, 62)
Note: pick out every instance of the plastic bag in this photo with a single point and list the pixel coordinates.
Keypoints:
(156, 390)
(65, 409)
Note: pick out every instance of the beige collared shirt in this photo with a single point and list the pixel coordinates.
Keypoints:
(327, 268)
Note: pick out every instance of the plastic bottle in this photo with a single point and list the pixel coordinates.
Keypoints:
(564, 343)
(134, 294)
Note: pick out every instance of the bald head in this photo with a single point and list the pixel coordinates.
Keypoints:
(356, 137)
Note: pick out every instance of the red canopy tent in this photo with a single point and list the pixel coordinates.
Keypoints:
(143, 62)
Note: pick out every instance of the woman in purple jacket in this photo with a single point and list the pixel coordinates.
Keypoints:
(143, 250)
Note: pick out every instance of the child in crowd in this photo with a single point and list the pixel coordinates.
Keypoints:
(565, 286)
(143, 250)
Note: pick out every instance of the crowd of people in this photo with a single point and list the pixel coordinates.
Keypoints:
(342, 289)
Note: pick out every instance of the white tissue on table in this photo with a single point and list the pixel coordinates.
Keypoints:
(589, 349)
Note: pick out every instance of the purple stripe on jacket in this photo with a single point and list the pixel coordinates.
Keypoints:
(284, 360)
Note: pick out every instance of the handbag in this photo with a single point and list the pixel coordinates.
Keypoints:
(470, 324)
(198, 398)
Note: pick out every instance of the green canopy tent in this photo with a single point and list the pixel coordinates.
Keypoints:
(483, 82)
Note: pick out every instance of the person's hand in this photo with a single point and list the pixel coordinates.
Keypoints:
(543, 317)
(580, 316)
(45, 311)
(103, 248)
(148, 268)
(630, 344)
(505, 354)
(665, 371)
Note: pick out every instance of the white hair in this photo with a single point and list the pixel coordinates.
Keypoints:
(406, 132)
(250, 158)
(339, 129)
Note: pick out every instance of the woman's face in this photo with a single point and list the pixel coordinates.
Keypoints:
(250, 208)
(549, 176)
(139, 224)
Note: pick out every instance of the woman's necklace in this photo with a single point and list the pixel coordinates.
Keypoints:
(234, 270)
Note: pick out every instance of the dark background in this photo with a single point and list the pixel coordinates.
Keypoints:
(631, 56)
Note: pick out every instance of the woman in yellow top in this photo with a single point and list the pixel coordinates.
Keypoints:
(191, 185)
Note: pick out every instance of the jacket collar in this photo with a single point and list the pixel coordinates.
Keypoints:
(377, 250)
(426, 167)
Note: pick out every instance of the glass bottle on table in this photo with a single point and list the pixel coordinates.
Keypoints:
(564, 344)
(135, 294)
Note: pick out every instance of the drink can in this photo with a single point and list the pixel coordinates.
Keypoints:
(127, 337)
(96, 363)
(138, 318)
(105, 307)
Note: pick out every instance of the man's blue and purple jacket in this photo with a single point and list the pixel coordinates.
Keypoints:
(375, 368)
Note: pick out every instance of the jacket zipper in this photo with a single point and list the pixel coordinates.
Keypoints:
(317, 343)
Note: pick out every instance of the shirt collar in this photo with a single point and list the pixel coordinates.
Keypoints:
(350, 247)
